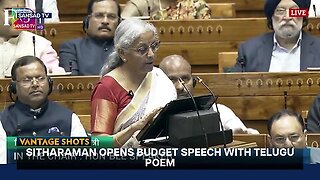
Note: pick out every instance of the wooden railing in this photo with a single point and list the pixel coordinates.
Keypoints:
(75, 10)
(198, 41)
(254, 97)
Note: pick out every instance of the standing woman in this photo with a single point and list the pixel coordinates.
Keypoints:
(131, 91)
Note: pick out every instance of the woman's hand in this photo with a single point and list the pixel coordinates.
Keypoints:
(145, 120)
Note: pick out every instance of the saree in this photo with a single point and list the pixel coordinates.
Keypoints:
(155, 91)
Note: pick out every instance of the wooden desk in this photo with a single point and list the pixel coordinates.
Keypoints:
(198, 41)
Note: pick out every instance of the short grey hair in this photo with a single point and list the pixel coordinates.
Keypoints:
(126, 33)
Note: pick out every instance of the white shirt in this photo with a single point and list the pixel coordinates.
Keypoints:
(48, 6)
(312, 11)
(3, 145)
(231, 121)
(77, 129)
(314, 155)
(285, 60)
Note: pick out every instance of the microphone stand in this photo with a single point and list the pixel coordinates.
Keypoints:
(196, 107)
(285, 94)
(215, 102)
(34, 45)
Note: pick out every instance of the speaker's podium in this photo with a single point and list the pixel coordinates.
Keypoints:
(185, 126)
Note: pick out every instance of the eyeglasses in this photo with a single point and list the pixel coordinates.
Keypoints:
(28, 81)
(280, 11)
(143, 50)
(101, 16)
(282, 139)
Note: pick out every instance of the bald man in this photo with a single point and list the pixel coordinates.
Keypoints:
(175, 67)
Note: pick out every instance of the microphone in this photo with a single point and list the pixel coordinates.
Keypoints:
(18, 129)
(196, 107)
(70, 66)
(130, 93)
(34, 45)
(215, 100)
(314, 9)
(285, 94)
(242, 62)
(149, 8)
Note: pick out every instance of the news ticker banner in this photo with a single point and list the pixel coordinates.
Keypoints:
(97, 153)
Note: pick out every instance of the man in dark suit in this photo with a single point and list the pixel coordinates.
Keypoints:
(86, 55)
(287, 48)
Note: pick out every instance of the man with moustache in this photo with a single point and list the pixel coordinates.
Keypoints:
(287, 48)
(86, 55)
(33, 114)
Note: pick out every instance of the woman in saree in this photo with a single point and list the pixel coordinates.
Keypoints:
(131, 91)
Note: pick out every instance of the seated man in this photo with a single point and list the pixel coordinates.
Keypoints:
(286, 129)
(16, 43)
(3, 145)
(168, 9)
(88, 54)
(176, 67)
(33, 114)
(287, 48)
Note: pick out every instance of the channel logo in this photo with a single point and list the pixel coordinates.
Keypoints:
(24, 18)
(298, 12)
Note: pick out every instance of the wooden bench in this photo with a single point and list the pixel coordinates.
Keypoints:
(243, 8)
(75, 10)
(254, 97)
(198, 41)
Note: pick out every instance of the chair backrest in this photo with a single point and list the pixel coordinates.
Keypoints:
(227, 60)
(222, 10)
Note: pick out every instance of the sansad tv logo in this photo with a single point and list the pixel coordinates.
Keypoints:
(25, 18)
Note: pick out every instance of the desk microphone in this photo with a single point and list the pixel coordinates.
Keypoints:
(285, 95)
(18, 129)
(149, 9)
(196, 107)
(70, 66)
(242, 62)
(34, 45)
(215, 102)
(314, 9)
